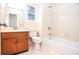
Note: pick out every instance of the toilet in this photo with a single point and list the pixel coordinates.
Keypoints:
(35, 39)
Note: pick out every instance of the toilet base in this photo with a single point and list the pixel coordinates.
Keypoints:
(37, 46)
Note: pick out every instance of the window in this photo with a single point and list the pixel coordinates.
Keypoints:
(31, 13)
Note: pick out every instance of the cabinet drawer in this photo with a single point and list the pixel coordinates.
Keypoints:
(14, 34)
(21, 34)
(6, 35)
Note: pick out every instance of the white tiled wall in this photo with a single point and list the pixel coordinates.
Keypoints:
(63, 19)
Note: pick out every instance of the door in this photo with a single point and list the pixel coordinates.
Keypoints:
(22, 44)
(8, 46)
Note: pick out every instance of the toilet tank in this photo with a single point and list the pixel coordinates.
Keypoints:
(33, 33)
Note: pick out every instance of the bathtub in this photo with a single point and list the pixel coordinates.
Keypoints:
(59, 46)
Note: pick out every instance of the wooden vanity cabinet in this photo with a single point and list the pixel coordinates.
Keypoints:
(14, 42)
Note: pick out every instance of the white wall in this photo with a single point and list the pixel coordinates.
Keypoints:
(0, 28)
(30, 24)
(2, 12)
(47, 20)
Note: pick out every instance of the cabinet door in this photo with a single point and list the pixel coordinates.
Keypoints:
(8, 46)
(22, 44)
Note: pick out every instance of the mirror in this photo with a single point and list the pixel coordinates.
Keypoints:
(13, 21)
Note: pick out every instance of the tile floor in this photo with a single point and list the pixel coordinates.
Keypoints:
(44, 50)
(41, 51)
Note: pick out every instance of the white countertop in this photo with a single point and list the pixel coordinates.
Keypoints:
(12, 30)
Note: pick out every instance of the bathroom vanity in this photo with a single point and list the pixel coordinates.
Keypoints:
(14, 42)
